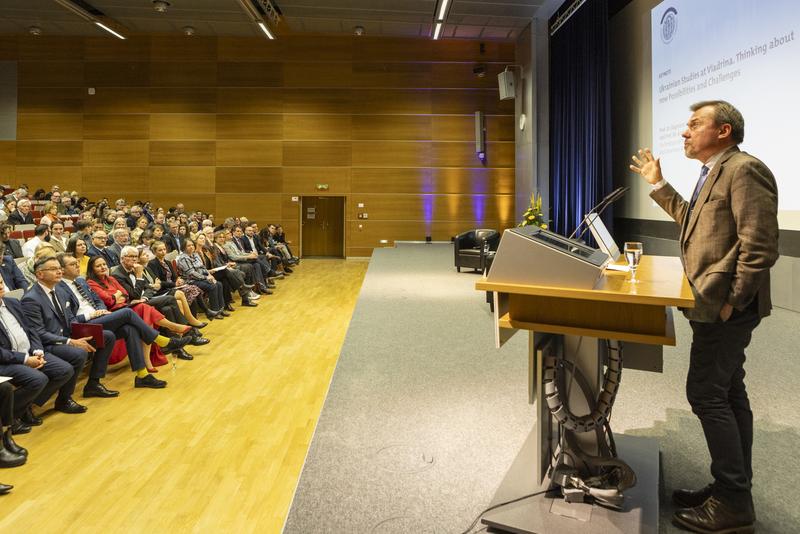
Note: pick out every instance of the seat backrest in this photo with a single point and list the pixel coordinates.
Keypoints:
(171, 255)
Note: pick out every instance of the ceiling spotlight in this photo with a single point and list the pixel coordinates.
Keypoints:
(188, 30)
(358, 30)
(161, 5)
(479, 70)
(35, 30)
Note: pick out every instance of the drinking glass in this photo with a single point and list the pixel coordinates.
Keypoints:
(633, 253)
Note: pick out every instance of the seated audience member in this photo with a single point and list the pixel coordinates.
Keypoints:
(139, 228)
(82, 230)
(39, 194)
(242, 258)
(163, 271)
(36, 375)
(191, 268)
(78, 250)
(69, 206)
(270, 257)
(13, 246)
(50, 214)
(158, 233)
(276, 230)
(41, 234)
(11, 454)
(12, 276)
(27, 268)
(57, 199)
(173, 239)
(11, 206)
(132, 219)
(22, 215)
(124, 323)
(57, 237)
(99, 248)
(120, 237)
(232, 278)
(268, 265)
(109, 216)
(48, 311)
(115, 297)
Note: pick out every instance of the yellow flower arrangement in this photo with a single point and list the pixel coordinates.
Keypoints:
(534, 214)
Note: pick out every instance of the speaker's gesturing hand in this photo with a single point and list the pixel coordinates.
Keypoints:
(647, 165)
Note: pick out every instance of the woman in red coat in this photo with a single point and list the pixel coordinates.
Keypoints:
(115, 297)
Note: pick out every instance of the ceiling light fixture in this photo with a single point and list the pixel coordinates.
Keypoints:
(161, 5)
(96, 16)
(35, 30)
(188, 30)
(358, 30)
(439, 17)
(261, 11)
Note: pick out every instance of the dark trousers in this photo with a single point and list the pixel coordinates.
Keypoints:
(168, 306)
(258, 274)
(716, 391)
(6, 404)
(125, 324)
(76, 358)
(37, 385)
(214, 291)
(99, 366)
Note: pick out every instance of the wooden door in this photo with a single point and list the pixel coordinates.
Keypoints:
(323, 226)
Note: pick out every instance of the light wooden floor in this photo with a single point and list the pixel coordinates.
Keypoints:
(220, 449)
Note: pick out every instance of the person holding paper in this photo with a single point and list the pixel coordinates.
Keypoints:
(728, 242)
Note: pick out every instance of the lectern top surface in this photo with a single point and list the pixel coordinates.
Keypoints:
(661, 282)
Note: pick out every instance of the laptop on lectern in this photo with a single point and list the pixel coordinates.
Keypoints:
(603, 236)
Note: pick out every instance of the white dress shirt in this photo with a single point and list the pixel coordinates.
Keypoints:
(16, 334)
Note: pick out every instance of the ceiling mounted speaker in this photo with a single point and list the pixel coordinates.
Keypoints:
(507, 85)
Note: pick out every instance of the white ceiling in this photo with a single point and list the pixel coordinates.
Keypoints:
(468, 19)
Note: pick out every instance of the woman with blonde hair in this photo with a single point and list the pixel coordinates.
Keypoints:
(50, 214)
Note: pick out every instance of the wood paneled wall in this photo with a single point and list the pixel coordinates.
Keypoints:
(239, 126)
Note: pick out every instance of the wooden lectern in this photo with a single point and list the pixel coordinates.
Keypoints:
(634, 314)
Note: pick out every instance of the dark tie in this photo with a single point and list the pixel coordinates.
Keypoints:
(57, 306)
(238, 244)
(83, 293)
(699, 186)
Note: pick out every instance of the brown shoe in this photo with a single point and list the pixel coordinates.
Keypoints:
(715, 516)
(685, 498)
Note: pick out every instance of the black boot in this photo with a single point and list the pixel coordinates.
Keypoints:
(10, 444)
(11, 459)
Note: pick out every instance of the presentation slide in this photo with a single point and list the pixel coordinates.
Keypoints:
(742, 51)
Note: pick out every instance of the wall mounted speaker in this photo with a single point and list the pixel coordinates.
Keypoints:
(480, 133)
(507, 85)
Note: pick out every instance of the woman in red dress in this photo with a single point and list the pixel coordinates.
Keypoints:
(115, 297)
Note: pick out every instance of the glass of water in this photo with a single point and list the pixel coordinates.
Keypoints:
(633, 253)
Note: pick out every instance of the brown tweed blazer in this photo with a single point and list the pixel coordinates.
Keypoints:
(729, 241)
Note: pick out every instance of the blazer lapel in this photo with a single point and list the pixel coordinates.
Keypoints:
(705, 192)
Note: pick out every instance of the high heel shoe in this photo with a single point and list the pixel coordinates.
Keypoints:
(186, 330)
(153, 370)
(200, 326)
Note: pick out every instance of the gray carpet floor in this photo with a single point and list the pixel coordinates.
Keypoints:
(424, 416)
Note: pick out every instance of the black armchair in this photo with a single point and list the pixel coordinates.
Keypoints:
(469, 247)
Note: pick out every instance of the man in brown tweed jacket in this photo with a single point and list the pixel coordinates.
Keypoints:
(729, 241)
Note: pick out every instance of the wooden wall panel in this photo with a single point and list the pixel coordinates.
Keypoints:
(56, 126)
(50, 100)
(395, 207)
(316, 153)
(175, 179)
(304, 180)
(316, 127)
(117, 100)
(315, 74)
(249, 126)
(183, 100)
(249, 100)
(391, 154)
(105, 181)
(475, 180)
(254, 74)
(249, 180)
(102, 48)
(124, 126)
(392, 127)
(50, 74)
(236, 125)
(111, 153)
(49, 153)
(183, 126)
(304, 100)
(249, 153)
(183, 74)
(45, 177)
(117, 74)
(263, 207)
(182, 153)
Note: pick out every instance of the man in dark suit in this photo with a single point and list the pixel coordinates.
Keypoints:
(86, 307)
(22, 215)
(729, 242)
(13, 246)
(99, 248)
(36, 374)
(172, 239)
(12, 276)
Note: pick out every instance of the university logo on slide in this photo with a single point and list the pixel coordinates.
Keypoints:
(669, 24)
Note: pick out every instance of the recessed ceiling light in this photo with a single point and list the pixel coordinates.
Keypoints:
(161, 5)
(35, 30)
(358, 30)
(188, 30)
